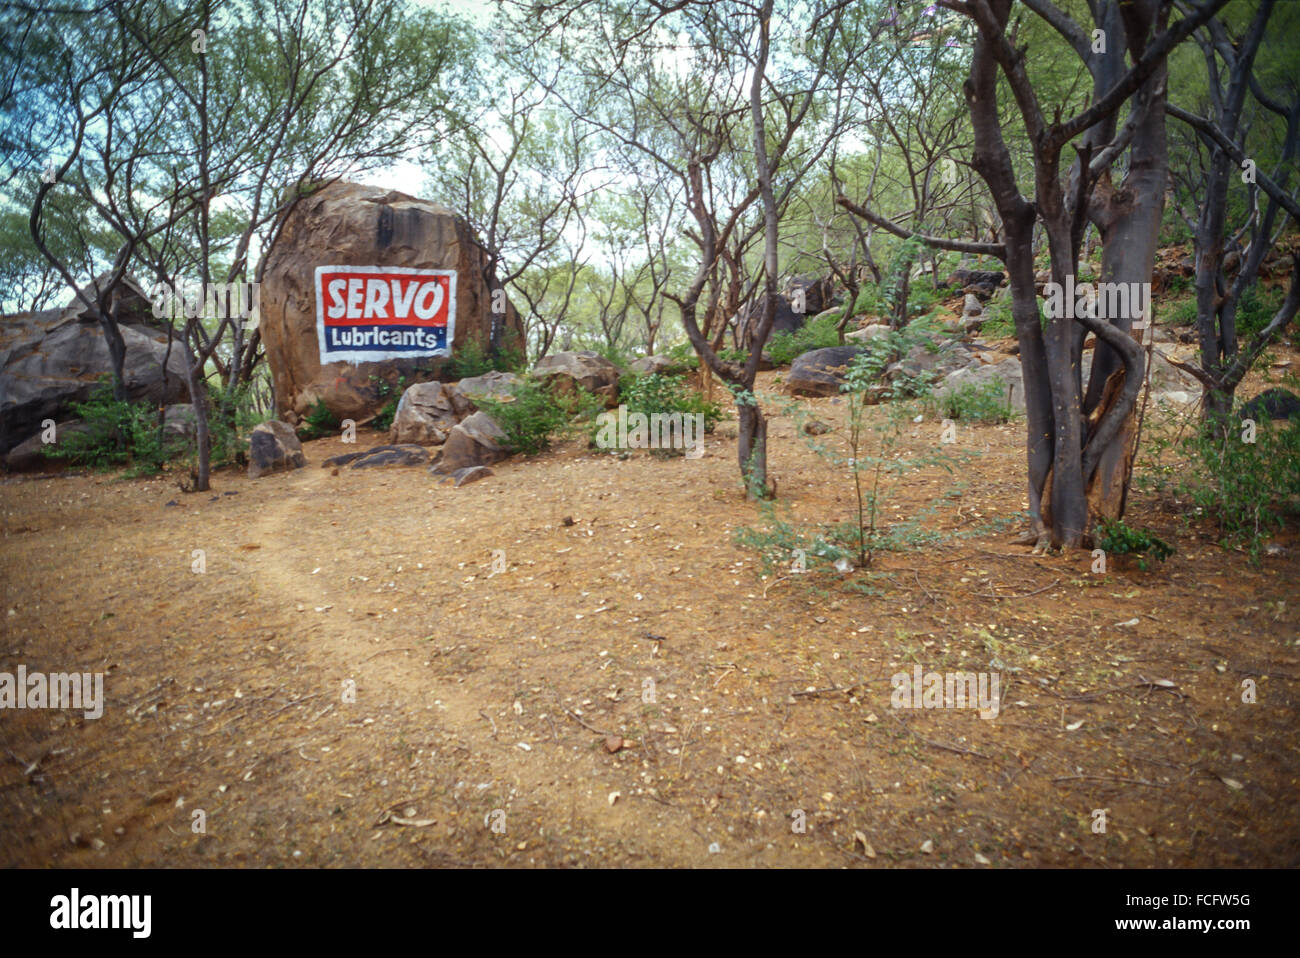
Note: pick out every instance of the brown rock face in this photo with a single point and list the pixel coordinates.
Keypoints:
(51, 359)
(349, 225)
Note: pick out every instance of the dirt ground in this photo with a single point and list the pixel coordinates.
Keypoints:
(350, 683)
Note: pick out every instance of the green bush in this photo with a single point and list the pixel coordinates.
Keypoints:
(117, 432)
(233, 416)
(319, 421)
(683, 354)
(1256, 307)
(971, 402)
(664, 395)
(384, 418)
(1246, 488)
(471, 359)
(1116, 538)
(783, 348)
(530, 420)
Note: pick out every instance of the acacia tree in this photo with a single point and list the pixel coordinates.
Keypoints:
(695, 93)
(1079, 446)
(1222, 137)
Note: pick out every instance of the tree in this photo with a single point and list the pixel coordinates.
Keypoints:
(1231, 87)
(696, 94)
(1080, 446)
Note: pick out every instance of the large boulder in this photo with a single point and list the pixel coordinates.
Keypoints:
(29, 455)
(821, 372)
(273, 447)
(1273, 403)
(651, 365)
(349, 225)
(564, 372)
(427, 412)
(52, 359)
(478, 441)
(493, 387)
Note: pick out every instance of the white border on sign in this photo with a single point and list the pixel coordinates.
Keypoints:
(355, 356)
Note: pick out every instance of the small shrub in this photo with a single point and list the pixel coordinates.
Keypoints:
(998, 322)
(383, 420)
(1117, 538)
(319, 421)
(973, 402)
(783, 348)
(117, 432)
(530, 420)
(683, 354)
(1246, 488)
(234, 414)
(471, 359)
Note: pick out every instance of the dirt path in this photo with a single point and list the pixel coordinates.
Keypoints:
(625, 612)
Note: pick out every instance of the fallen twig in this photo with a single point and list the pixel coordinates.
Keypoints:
(1019, 595)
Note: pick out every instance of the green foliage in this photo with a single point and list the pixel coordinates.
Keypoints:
(319, 421)
(619, 357)
(1117, 538)
(530, 420)
(871, 450)
(664, 395)
(998, 322)
(971, 402)
(1246, 488)
(384, 418)
(117, 432)
(683, 354)
(1257, 306)
(471, 359)
(783, 348)
(234, 414)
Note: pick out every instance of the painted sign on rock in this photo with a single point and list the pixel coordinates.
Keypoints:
(369, 313)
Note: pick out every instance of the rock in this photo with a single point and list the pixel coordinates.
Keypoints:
(1177, 397)
(651, 365)
(867, 333)
(979, 281)
(971, 306)
(1273, 403)
(478, 441)
(469, 474)
(427, 412)
(28, 456)
(815, 427)
(979, 374)
(817, 294)
(1164, 375)
(347, 224)
(821, 372)
(179, 421)
(396, 455)
(923, 361)
(52, 359)
(590, 371)
(273, 447)
(495, 386)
